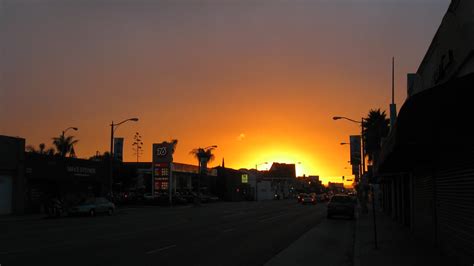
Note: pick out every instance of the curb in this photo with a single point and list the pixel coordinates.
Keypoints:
(356, 259)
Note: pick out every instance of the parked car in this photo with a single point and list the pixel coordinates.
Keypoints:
(187, 195)
(309, 199)
(341, 204)
(93, 206)
(300, 197)
(178, 199)
(213, 198)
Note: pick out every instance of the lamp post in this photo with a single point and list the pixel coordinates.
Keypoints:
(114, 127)
(256, 180)
(361, 122)
(63, 136)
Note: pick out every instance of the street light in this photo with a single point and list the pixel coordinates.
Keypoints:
(256, 166)
(345, 143)
(210, 147)
(361, 123)
(114, 127)
(73, 128)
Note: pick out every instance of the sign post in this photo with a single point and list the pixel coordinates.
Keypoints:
(162, 168)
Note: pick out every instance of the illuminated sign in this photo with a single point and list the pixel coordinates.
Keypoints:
(162, 160)
(245, 178)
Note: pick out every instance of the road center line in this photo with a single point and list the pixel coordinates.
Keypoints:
(160, 249)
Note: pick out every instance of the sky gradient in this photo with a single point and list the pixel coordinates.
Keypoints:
(260, 79)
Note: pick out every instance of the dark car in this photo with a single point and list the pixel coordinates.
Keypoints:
(308, 199)
(300, 197)
(342, 205)
(92, 207)
(179, 199)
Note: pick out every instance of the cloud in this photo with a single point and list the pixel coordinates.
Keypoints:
(241, 137)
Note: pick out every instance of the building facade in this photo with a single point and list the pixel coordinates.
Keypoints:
(426, 168)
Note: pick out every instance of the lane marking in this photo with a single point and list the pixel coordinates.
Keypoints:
(160, 249)
(233, 214)
(274, 217)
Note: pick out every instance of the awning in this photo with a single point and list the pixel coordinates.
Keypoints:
(431, 125)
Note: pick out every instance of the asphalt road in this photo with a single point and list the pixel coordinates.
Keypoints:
(240, 233)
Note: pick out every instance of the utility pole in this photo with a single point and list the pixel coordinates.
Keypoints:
(393, 106)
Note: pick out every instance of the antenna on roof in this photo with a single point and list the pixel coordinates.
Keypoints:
(393, 106)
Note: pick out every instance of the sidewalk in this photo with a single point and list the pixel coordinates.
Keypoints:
(396, 245)
(8, 218)
(328, 243)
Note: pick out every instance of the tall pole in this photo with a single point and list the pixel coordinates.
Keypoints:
(256, 183)
(393, 106)
(112, 129)
(362, 145)
(111, 178)
(393, 80)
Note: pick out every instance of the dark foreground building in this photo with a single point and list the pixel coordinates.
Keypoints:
(12, 175)
(426, 169)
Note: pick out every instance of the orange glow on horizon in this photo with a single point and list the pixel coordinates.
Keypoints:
(260, 82)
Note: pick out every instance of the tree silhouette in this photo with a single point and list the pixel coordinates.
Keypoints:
(100, 157)
(137, 145)
(64, 145)
(375, 128)
(203, 155)
(41, 149)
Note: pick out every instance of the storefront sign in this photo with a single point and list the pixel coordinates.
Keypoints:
(81, 171)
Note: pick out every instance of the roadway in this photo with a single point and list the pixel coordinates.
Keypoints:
(227, 233)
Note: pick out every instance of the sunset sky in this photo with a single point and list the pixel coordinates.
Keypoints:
(259, 78)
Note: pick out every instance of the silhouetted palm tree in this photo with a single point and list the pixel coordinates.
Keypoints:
(64, 145)
(41, 149)
(174, 143)
(375, 127)
(203, 155)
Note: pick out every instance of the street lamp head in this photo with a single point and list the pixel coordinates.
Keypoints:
(134, 119)
(336, 117)
(75, 128)
(344, 143)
